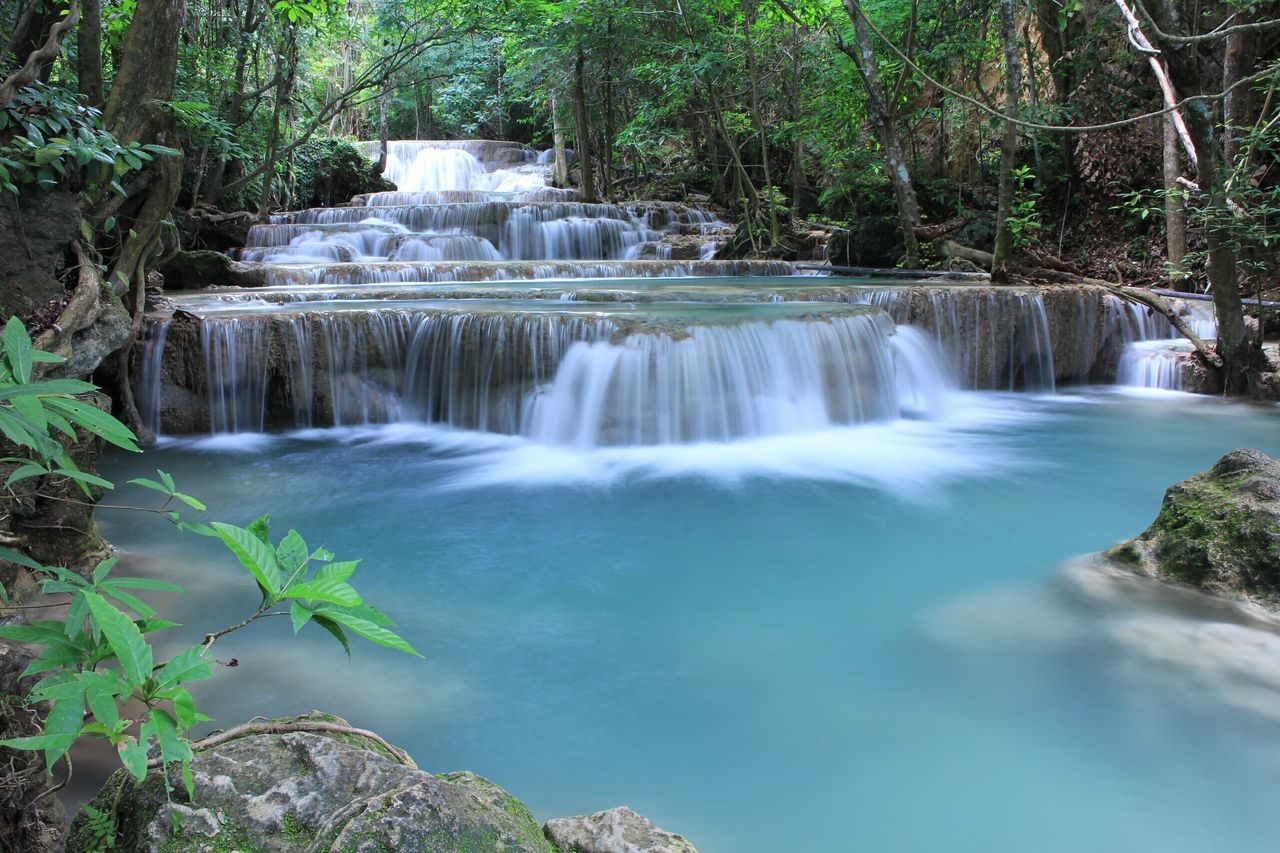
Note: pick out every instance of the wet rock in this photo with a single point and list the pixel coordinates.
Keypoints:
(212, 229)
(618, 830)
(92, 344)
(205, 268)
(36, 229)
(27, 825)
(1218, 531)
(301, 791)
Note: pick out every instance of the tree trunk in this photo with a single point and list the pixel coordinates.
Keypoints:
(284, 90)
(882, 118)
(1241, 355)
(1175, 211)
(36, 43)
(134, 113)
(384, 129)
(560, 174)
(581, 118)
(1003, 253)
(89, 52)
(797, 142)
(148, 70)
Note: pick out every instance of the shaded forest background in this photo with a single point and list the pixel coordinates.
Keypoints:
(1135, 143)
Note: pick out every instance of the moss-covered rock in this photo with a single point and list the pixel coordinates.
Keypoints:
(1218, 531)
(302, 790)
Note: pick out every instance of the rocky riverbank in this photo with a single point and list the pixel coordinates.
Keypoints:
(312, 783)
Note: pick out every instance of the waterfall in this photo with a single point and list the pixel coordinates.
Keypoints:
(476, 200)
(151, 380)
(385, 311)
(1153, 364)
(1154, 353)
(563, 373)
(720, 383)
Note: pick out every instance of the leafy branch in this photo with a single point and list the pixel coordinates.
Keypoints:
(100, 676)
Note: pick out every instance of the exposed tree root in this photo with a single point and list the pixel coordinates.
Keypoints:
(280, 728)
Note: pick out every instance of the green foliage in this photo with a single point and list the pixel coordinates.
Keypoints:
(101, 828)
(36, 415)
(329, 171)
(1024, 216)
(48, 138)
(100, 675)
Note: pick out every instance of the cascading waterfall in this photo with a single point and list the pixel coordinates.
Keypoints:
(368, 317)
(720, 383)
(474, 200)
(578, 375)
(1154, 354)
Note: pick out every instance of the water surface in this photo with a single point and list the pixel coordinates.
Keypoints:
(765, 645)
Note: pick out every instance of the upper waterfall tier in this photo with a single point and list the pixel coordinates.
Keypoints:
(479, 200)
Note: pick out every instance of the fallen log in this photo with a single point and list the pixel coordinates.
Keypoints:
(940, 229)
(1157, 303)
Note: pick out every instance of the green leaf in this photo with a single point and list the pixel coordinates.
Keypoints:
(257, 556)
(173, 747)
(56, 657)
(36, 742)
(104, 708)
(77, 612)
(292, 554)
(124, 637)
(147, 626)
(33, 410)
(334, 629)
(192, 664)
(143, 583)
(83, 477)
(299, 615)
(45, 632)
(18, 430)
(26, 472)
(17, 346)
(338, 571)
(184, 707)
(369, 630)
(197, 528)
(149, 484)
(190, 501)
(48, 388)
(137, 605)
(104, 568)
(261, 528)
(332, 590)
(95, 421)
(64, 721)
(18, 559)
(134, 758)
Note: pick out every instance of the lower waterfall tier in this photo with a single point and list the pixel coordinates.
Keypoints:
(736, 364)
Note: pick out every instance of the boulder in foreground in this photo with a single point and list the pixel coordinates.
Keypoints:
(1218, 531)
(299, 791)
(618, 830)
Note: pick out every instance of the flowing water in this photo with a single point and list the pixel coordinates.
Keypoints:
(778, 561)
(842, 639)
